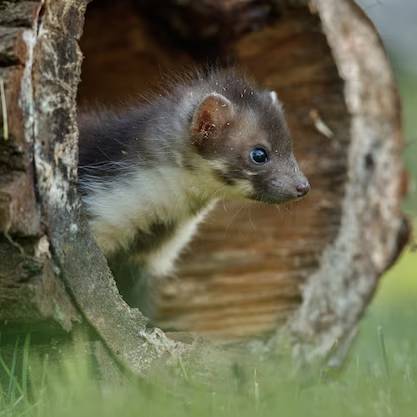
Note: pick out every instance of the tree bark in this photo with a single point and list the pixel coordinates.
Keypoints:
(310, 270)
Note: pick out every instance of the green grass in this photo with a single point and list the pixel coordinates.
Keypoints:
(380, 377)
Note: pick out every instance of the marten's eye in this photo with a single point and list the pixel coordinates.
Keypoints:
(258, 155)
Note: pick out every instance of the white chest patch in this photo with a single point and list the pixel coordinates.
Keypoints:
(120, 209)
(161, 262)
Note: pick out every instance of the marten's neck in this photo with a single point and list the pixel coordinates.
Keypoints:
(134, 204)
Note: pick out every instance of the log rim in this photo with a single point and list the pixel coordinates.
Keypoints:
(111, 318)
(314, 335)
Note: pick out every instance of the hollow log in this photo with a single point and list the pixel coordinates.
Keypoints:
(254, 271)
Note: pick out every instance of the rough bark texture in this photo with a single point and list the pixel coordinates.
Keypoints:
(30, 292)
(310, 269)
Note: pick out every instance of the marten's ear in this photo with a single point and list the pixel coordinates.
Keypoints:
(211, 117)
(274, 99)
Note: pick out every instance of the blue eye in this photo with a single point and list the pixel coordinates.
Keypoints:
(258, 155)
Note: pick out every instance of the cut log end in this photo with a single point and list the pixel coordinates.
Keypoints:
(310, 268)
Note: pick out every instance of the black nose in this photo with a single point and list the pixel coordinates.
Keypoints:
(303, 188)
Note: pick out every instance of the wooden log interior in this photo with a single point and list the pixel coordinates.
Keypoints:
(243, 275)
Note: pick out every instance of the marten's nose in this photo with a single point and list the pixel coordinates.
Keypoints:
(303, 188)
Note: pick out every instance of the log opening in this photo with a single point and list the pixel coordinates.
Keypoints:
(243, 275)
(313, 267)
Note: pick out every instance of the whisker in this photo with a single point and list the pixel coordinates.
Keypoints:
(233, 217)
(250, 218)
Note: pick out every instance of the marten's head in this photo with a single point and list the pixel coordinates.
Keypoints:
(242, 135)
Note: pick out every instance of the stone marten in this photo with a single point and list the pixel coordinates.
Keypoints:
(150, 173)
